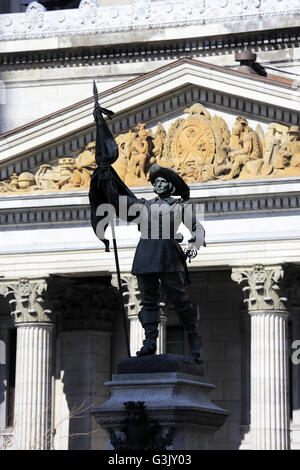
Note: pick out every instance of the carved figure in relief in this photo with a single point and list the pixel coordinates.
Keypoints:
(124, 142)
(199, 148)
(274, 137)
(288, 159)
(158, 143)
(245, 151)
(136, 156)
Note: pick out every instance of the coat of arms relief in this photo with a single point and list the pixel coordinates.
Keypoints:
(200, 148)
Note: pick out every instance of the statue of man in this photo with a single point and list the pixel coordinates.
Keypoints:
(159, 259)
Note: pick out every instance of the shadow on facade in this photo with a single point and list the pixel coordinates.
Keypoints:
(88, 318)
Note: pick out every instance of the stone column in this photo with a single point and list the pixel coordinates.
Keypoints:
(33, 396)
(293, 294)
(132, 300)
(269, 406)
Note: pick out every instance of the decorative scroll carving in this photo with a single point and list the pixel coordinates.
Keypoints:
(200, 148)
(261, 286)
(141, 14)
(35, 15)
(141, 10)
(88, 11)
(26, 298)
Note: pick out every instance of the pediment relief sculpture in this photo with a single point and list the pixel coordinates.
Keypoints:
(199, 148)
(67, 174)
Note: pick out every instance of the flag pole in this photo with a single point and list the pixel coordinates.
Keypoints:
(115, 248)
(120, 286)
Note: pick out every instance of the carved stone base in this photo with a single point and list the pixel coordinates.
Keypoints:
(173, 403)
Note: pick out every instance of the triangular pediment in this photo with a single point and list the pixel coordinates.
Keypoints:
(161, 96)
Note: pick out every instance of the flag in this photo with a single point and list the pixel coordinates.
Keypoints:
(104, 176)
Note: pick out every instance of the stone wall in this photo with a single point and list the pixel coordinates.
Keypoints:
(83, 365)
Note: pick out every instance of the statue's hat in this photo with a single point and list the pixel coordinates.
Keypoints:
(181, 188)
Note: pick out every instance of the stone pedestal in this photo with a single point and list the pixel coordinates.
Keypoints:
(175, 396)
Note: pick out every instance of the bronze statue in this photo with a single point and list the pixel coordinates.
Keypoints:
(159, 259)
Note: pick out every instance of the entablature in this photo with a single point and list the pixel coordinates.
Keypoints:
(218, 200)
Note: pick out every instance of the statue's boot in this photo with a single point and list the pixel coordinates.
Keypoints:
(149, 320)
(188, 319)
(195, 344)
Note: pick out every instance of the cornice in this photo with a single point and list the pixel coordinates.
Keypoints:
(220, 199)
(141, 15)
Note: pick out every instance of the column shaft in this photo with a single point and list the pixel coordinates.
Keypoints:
(33, 387)
(270, 419)
(136, 334)
(269, 380)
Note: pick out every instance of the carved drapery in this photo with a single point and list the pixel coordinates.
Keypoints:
(200, 148)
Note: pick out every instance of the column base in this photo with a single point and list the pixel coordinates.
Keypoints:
(176, 405)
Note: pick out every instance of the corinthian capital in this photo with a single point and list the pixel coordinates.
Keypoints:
(26, 299)
(261, 286)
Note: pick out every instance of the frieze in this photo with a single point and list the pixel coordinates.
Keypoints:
(159, 109)
(200, 148)
(92, 18)
(221, 206)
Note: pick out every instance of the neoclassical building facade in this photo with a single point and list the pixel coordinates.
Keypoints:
(188, 93)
